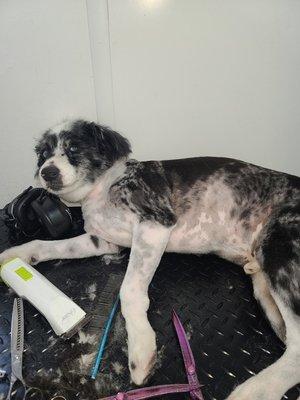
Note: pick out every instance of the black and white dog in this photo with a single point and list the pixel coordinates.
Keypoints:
(242, 212)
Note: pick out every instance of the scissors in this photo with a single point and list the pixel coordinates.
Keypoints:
(18, 390)
(193, 387)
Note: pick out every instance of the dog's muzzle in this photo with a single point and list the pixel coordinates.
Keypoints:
(50, 173)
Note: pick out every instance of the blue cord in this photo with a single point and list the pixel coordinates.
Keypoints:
(104, 339)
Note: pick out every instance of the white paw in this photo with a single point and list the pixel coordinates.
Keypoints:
(254, 389)
(141, 354)
(28, 252)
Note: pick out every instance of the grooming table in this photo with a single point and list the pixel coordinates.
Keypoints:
(229, 335)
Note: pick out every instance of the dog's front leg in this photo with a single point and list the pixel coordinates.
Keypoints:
(85, 245)
(148, 244)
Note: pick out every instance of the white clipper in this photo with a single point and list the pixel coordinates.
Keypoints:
(64, 316)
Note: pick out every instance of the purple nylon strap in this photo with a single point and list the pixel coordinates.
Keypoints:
(193, 387)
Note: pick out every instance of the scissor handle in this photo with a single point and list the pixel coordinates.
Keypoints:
(12, 382)
(15, 387)
(19, 390)
(32, 391)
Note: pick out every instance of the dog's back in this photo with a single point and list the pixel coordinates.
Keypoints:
(218, 204)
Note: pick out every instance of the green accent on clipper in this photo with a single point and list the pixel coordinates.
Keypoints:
(24, 273)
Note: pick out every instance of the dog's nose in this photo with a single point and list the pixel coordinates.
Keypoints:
(50, 173)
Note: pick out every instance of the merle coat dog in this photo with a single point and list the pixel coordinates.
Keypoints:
(247, 214)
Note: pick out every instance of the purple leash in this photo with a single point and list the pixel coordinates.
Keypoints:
(193, 387)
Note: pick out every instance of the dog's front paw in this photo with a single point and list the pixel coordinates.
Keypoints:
(28, 252)
(254, 388)
(141, 354)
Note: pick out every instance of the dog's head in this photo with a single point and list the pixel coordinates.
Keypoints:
(76, 153)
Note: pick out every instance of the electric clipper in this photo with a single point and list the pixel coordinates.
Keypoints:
(65, 317)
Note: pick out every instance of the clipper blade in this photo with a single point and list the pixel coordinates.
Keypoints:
(76, 328)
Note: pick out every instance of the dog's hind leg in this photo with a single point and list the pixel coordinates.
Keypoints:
(278, 253)
(263, 296)
(273, 382)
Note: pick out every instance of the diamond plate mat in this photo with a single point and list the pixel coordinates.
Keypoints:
(229, 335)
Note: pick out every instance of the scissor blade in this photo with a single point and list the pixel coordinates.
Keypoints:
(17, 337)
(184, 343)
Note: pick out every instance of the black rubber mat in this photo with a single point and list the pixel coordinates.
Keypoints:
(229, 335)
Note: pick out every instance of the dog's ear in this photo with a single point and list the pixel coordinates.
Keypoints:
(110, 143)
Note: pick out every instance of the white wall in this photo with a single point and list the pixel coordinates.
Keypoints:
(45, 75)
(208, 77)
(179, 77)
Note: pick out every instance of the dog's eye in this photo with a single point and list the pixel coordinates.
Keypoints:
(73, 149)
(45, 153)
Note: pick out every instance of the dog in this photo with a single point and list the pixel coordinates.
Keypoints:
(241, 212)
